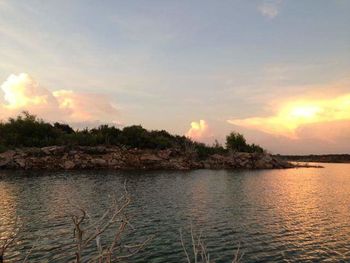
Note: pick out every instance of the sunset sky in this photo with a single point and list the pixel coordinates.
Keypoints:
(277, 71)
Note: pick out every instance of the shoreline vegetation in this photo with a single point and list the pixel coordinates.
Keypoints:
(29, 143)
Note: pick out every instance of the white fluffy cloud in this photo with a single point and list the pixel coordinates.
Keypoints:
(199, 131)
(23, 93)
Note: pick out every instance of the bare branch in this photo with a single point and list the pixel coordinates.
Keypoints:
(30, 251)
(184, 247)
(199, 250)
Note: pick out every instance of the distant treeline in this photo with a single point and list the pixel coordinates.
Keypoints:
(323, 158)
(27, 130)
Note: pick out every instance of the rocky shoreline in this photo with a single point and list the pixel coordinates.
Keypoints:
(118, 158)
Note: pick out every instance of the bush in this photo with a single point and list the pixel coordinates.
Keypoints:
(3, 148)
(204, 150)
(27, 130)
(237, 143)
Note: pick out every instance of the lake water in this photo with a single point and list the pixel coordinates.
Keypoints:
(294, 215)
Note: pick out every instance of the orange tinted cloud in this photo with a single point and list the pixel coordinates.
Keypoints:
(292, 116)
(21, 92)
(199, 131)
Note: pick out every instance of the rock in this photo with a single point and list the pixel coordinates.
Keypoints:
(6, 158)
(177, 164)
(264, 162)
(53, 150)
(150, 158)
(98, 161)
(21, 162)
(196, 165)
(131, 160)
(242, 155)
(68, 165)
(243, 163)
(218, 158)
(73, 152)
(115, 162)
(78, 157)
(165, 154)
(94, 150)
(207, 166)
(31, 151)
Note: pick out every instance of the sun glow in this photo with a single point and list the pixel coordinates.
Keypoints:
(294, 114)
(308, 111)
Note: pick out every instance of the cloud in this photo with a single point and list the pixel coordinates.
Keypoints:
(321, 138)
(21, 92)
(88, 107)
(307, 125)
(270, 8)
(293, 115)
(199, 131)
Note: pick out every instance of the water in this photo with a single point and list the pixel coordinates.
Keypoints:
(295, 215)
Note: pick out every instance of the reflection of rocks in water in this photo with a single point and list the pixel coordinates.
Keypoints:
(68, 158)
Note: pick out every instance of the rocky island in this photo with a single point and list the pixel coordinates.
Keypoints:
(29, 143)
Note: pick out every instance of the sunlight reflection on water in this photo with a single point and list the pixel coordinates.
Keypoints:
(276, 215)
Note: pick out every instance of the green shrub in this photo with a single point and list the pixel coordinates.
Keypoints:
(3, 148)
(237, 143)
(27, 130)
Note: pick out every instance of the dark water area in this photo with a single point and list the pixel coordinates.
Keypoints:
(294, 215)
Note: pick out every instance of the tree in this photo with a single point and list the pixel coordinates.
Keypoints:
(256, 148)
(236, 142)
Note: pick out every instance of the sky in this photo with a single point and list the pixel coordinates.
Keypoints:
(277, 71)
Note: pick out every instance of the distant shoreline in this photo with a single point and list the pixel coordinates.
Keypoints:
(322, 158)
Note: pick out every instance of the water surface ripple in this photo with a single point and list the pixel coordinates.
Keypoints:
(295, 215)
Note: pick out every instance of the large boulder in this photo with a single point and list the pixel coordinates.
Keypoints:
(53, 150)
(6, 158)
(263, 162)
(177, 164)
(21, 162)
